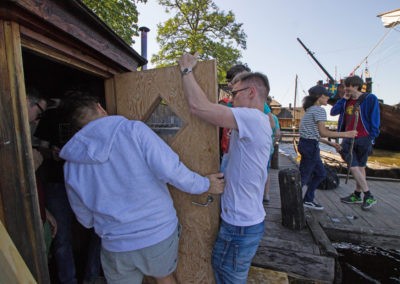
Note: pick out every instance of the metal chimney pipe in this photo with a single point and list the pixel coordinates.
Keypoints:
(143, 37)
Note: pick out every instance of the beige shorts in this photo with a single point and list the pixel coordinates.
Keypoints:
(158, 261)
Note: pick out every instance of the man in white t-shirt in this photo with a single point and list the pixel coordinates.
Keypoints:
(242, 211)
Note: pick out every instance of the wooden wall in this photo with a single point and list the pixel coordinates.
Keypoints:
(65, 32)
(19, 204)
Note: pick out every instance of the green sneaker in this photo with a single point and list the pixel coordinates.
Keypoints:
(351, 199)
(368, 202)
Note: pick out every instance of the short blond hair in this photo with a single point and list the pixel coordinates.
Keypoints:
(260, 81)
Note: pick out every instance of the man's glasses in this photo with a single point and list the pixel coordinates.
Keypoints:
(40, 115)
(234, 93)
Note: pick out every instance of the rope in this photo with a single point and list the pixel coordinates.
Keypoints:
(366, 57)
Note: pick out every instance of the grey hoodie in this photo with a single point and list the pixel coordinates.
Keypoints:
(116, 173)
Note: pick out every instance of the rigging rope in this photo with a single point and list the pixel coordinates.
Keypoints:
(366, 57)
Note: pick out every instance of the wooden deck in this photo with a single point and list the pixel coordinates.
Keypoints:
(379, 226)
(308, 253)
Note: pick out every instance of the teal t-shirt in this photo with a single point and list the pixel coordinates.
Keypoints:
(267, 109)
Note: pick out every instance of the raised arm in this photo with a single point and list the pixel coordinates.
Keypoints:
(199, 104)
(337, 108)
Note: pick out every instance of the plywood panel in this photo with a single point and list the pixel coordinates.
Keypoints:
(12, 267)
(137, 95)
(258, 275)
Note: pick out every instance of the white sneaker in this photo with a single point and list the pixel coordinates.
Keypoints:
(312, 205)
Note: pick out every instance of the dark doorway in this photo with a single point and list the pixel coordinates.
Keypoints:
(53, 80)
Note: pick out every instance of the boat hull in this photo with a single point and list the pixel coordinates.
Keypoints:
(389, 137)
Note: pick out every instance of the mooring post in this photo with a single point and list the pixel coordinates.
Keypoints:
(291, 199)
(275, 157)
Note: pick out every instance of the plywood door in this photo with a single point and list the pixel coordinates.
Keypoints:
(137, 95)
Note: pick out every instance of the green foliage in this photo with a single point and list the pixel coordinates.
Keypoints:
(120, 15)
(199, 25)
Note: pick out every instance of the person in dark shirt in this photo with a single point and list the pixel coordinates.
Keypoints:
(359, 111)
(37, 105)
(53, 133)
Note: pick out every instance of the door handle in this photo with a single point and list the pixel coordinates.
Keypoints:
(210, 199)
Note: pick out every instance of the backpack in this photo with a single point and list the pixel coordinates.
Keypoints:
(331, 180)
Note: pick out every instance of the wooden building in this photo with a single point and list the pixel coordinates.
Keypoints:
(289, 117)
(54, 45)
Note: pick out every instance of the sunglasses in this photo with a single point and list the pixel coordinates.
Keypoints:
(234, 93)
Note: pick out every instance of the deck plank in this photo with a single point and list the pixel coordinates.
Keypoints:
(283, 249)
(292, 251)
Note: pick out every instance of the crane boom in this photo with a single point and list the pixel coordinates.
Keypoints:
(316, 61)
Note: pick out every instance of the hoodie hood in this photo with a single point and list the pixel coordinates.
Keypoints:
(94, 142)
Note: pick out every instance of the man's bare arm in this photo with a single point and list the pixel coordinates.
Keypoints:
(199, 104)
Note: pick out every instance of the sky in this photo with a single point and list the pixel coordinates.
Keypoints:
(340, 33)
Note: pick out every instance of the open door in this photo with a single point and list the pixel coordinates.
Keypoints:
(156, 97)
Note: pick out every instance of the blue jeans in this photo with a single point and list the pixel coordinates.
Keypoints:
(233, 251)
(58, 205)
(93, 263)
(312, 170)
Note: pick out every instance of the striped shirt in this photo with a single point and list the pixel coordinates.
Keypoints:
(309, 123)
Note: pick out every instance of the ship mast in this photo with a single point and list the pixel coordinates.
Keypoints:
(294, 106)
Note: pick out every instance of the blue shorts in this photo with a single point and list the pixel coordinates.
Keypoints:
(233, 252)
(361, 150)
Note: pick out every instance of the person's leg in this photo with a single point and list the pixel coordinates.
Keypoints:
(352, 160)
(306, 149)
(266, 188)
(219, 252)
(364, 149)
(58, 205)
(93, 264)
(268, 183)
(119, 267)
(233, 252)
(318, 175)
(312, 170)
(360, 178)
(160, 260)
(361, 150)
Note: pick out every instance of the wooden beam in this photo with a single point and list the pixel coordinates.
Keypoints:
(320, 237)
(109, 90)
(299, 264)
(65, 54)
(20, 209)
(373, 178)
(73, 21)
(379, 237)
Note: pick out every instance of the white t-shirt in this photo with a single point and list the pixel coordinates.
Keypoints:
(246, 172)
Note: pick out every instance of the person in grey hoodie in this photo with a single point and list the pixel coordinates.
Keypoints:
(116, 175)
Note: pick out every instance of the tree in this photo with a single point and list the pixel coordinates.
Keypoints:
(120, 15)
(199, 25)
